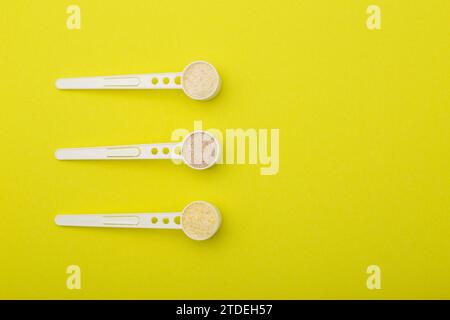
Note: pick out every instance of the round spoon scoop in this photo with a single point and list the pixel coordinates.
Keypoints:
(199, 81)
(199, 150)
(199, 220)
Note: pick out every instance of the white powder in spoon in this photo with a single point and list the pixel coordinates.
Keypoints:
(200, 150)
(200, 81)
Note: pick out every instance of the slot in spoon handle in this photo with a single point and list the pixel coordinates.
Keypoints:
(142, 151)
(132, 81)
(141, 220)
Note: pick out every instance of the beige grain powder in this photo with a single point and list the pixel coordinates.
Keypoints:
(200, 81)
(200, 220)
(199, 150)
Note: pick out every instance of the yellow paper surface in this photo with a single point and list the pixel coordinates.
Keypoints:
(363, 118)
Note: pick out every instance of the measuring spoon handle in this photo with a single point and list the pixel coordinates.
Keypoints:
(132, 81)
(125, 220)
(141, 151)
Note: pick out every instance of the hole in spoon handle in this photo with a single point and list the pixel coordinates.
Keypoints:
(163, 220)
(169, 150)
(170, 80)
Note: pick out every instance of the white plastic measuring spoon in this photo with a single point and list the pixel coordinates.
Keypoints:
(199, 81)
(199, 150)
(199, 220)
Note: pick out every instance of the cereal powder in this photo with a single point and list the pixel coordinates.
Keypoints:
(199, 150)
(200, 81)
(200, 220)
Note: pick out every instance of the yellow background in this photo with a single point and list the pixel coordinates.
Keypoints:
(364, 149)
